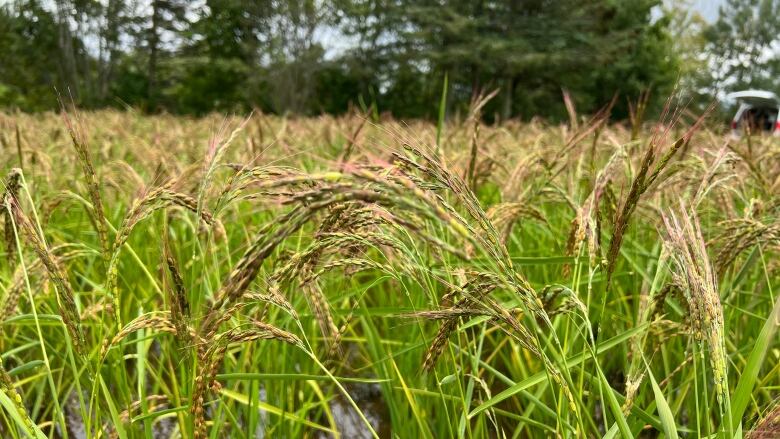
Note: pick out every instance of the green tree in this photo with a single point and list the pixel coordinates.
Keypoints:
(167, 17)
(214, 67)
(295, 56)
(116, 20)
(528, 48)
(687, 26)
(309, 56)
(743, 46)
(29, 58)
(636, 53)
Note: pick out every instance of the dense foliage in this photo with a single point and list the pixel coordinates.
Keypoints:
(743, 46)
(310, 57)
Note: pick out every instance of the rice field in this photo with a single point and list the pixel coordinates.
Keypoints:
(268, 276)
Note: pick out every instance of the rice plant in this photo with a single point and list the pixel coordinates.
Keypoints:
(202, 278)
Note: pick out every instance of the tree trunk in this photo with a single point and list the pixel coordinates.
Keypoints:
(110, 43)
(154, 41)
(475, 84)
(65, 42)
(509, 94)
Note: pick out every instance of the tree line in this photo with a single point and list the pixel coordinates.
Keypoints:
(329, 56)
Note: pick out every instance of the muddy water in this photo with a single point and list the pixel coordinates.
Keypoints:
(348, 423)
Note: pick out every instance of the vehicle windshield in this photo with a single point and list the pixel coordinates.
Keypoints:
(759, 118)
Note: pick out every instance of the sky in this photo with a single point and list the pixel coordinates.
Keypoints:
(707, 8)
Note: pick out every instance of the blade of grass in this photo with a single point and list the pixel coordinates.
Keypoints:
(614, 406)
(49, 377)
(30, 365)
(249, 376)
(117, 421)
(541, 376)
(442, 113)
(11, 409)
(243, 399)
(747, 380)
(664, 411)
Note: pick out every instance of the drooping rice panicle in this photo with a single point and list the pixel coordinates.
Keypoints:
(65, 297)
(11, 192)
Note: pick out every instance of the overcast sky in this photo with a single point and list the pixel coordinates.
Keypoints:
(708, 8)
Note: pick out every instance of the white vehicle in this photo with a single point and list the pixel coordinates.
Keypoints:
(758, 112)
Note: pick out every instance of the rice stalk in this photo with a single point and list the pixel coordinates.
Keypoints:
(586, 227)
(7, 387)
(643, 180)
(65, 297)
(143, 207)
(217, 147)
(467, 306)
(159, 321)
(694, 275)
(30, 269)
(714, 178)
(93, 182)
(212, 357)
(475, 116)
(177, 297)
(12, 186)
(738, 235)
(768, 427)
(352, 141)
